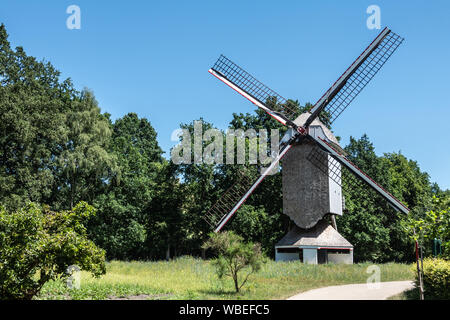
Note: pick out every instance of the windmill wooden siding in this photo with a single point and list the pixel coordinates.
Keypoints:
(308, 192)
(309, 195)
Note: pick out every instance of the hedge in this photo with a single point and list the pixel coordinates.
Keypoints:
(436, 278)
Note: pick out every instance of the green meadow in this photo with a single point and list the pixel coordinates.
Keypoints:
(191, 278)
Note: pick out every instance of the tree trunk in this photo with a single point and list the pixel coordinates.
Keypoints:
(168, 252)
(236, 285)
(203, 254)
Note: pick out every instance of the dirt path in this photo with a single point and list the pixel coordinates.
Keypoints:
(364, 291)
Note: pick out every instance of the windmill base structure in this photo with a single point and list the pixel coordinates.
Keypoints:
(312, 160)
(319, 244)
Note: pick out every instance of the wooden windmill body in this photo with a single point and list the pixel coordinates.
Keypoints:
(312, 206)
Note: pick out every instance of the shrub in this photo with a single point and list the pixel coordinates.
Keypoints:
(235, 256)
(436, 278)
(38, 245)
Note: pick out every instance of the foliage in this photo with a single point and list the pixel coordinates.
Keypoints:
(200, 190)
(53, 138)
(122, 224)
(32, 102)
(38, 245)
(168, 223)
(434, 224)
(436, 278)
(85, 164)
(235, 256)
(255, 224)
(375, 229)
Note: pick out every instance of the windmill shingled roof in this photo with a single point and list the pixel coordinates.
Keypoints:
(322, 235)
(301, 119)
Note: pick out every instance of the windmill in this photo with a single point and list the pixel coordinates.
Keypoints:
(313, 164)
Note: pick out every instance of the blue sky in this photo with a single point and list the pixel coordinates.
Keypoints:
(152, 58)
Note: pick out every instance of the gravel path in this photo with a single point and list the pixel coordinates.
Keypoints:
(364, 291)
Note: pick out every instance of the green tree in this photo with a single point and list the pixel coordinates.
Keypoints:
(434, 224)
(169, 231)
(364, 222)
(374, 228)
(200, 191)
(123, 223)
(256, 225)
(38, 245)
(410, 185)
(53, 141)
(85, 162)
(203, 184)
(33, 103)
(235, 256)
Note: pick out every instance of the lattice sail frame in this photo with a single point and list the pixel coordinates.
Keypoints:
(328, 165)
(217, 213)
(362, 76)
(255, 88)
(340, 174)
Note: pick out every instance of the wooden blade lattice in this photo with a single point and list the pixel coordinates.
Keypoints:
(361, 76)
(229, 199)
(253, 87)
(342, 176)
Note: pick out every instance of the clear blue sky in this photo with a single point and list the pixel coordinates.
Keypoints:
(152, 58)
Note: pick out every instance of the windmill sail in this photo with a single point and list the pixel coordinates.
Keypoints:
(337, 172)
(252, 89)
(355, 78)
(228, 200)
(221, 212)
(340, 159)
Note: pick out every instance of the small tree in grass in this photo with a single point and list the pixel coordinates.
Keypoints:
(38, 245)
(235, 256)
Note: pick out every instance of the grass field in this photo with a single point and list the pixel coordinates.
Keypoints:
(189, 278)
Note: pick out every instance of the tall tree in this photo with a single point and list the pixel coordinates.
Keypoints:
(32, 102)
(53, 142)
(199, 186)
(85, 162)
(125, 205)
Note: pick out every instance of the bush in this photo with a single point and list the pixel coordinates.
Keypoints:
(235, 256)
(38, 245)
(436, 278)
